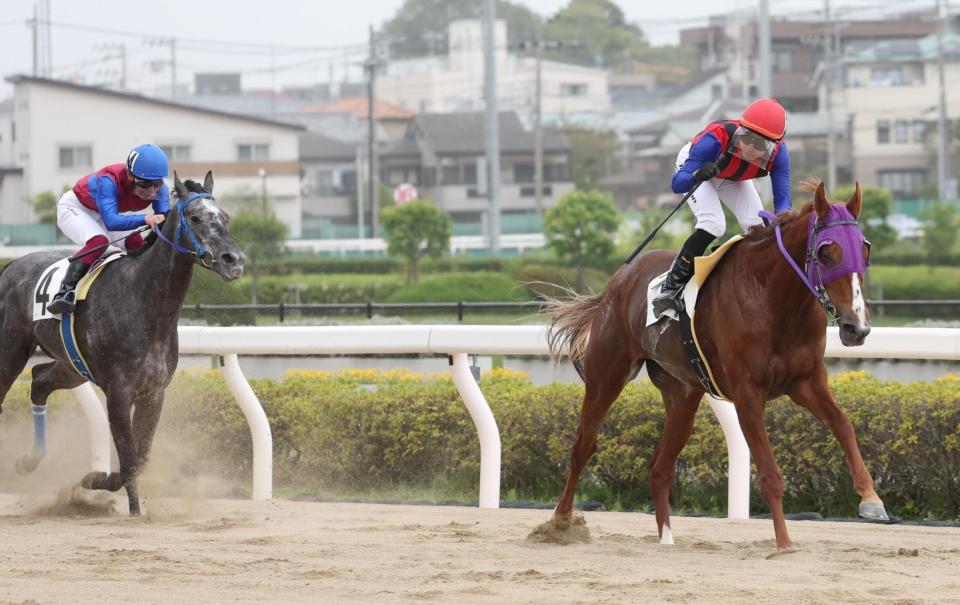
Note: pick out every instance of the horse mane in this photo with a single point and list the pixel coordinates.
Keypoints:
(150, 239)
(762, 231)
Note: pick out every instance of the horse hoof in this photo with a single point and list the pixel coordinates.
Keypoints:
(93, 480)
(873, 511)
(27, 464)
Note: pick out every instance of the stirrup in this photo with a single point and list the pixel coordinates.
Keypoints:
(63, 303)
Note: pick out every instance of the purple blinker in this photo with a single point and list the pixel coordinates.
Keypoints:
(840, 227)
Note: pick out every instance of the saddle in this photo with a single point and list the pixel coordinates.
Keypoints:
(703, 266)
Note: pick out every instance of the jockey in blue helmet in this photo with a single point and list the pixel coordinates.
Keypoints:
(90, 213)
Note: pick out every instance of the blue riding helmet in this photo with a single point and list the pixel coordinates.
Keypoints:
(148, 162)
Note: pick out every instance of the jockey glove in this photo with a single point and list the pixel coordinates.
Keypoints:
(706, 172)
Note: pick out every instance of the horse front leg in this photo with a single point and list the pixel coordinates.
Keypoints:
(814, 394)
(118, 412)
(750, 414)
(146, 416)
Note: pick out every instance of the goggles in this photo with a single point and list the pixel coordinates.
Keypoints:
(752, 147)
(147, 183)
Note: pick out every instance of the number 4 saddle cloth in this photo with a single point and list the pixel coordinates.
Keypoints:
(48, 285)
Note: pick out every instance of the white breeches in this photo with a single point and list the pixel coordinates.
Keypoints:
(740, 197)
(80, 223)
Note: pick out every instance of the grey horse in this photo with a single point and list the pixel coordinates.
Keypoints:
(126, 330)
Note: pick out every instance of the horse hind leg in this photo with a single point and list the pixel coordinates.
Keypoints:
(681, 403)
(47, 378)
(604, 381)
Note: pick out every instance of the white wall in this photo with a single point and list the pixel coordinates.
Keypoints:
(455, 82)
(49, 116)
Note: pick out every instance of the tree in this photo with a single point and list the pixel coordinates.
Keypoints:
(414, 230)
(940, 223)
(877, 204)
(580, 229)
(44, 204)
(595, 32)
(593, 155)
(261, 236)
(420, 26)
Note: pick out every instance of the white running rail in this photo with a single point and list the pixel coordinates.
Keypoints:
(457, 342)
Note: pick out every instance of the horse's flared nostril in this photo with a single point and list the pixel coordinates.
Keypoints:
(228, 259)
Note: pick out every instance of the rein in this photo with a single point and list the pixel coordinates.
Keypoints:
(819, 291)
(199, 254)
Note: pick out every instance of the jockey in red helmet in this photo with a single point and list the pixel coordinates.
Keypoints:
(724, 158)
(90, 213)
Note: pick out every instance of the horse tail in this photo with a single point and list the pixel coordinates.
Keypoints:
(569, 328)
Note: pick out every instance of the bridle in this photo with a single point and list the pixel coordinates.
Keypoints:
(200, 255)
(812, 276)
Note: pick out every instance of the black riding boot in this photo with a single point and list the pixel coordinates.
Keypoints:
(671, 295)
(65, 301)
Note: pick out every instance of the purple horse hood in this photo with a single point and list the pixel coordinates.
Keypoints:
(840, 227)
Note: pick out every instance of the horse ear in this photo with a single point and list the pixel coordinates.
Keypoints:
(820, 202)
(208, 182)
(855, 205)
(182, 192)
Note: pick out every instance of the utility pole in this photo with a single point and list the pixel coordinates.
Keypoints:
(32, 23)
(538, 126)
(492, 129)
(173, 68)
(371, 68)
(942, 108)
(361, 231)
(765, 87)
(828, 96)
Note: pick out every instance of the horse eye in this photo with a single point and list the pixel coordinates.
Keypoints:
(830, 256)
(194, 219)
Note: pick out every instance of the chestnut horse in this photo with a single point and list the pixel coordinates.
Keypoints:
(759, 328)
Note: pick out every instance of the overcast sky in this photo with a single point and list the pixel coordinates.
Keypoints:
(334, 31)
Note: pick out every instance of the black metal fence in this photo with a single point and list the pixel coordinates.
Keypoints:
(938, 308)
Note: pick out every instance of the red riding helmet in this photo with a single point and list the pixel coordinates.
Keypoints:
(766, 117)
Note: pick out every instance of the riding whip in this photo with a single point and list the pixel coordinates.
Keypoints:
(101, 247)
(653, 233)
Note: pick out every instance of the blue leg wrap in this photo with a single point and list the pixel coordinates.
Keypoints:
(40, 431)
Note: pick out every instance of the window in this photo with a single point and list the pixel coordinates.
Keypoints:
(919, 129)
(573, 90)
(76, 157)
(901, 131)
(883, 131)
(177, 153)
(886, 76)
(902, 183)
(450, 175)
(782, 60)
(523, 173)
(253, 151)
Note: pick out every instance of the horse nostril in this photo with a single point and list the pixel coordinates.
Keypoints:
(228, 259)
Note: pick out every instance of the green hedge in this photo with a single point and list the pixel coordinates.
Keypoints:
(364, 430)
(479, 286)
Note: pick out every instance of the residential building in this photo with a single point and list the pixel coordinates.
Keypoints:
(891, 94)
(64, 131)
(797, 51)
(455, 82)
(443, 156)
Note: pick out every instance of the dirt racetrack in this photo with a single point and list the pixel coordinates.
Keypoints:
(281, 551)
